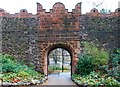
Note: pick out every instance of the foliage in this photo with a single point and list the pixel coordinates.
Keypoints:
(66, 68)
(7, 56)
(84, 65)
(54, 67)
(96, 79)
(115, 71)
(100, 57)
(7, 62)
(96, 59)
(105, 11)
(116, 58)
(13, 71)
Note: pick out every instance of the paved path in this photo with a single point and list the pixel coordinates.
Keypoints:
(61, 79)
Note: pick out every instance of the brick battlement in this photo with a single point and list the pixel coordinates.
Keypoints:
(58, 8)
(59, 17)
(94, 12)
(22, 14)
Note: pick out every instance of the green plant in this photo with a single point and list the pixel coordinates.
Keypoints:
(95, 79)
(115, 70)
(8, 77)
(100, 57)
(115, 59)
(13, 71)
(8, 67)
(110, 81)
(84, 65)
(23, 73)
(66, 68)
(54, 67)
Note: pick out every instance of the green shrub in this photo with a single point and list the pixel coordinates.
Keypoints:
(100, 57)
(4, 58)
(8, 67)
(95, 79)
(23, 73)
(115, 70)
(84, 65)
(12, 70)
(8, 63)
(116, 59)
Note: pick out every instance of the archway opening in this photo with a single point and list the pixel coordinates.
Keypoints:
(59, 61)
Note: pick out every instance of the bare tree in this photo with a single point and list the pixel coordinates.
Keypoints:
(97, 3)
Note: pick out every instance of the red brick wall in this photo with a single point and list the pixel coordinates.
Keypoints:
(59, 17)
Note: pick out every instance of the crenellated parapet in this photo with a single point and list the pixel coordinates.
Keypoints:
(58, 17)
(22, 14)
(3, 13)
(58, 9)
(95, 12)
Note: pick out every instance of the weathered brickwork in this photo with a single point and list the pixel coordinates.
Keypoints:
(59, 28)
(104, 31)
(20, 38)
(59, 18)
(32, 37)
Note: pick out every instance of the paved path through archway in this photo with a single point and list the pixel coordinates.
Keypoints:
(61, 79)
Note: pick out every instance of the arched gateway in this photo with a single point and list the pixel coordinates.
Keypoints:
(58, 29)
(71, 47)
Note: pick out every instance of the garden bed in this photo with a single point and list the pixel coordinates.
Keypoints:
(93, 70)
(23, 83)
(95, 79)
(14, 73)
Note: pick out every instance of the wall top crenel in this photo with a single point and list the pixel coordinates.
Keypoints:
(57, 8)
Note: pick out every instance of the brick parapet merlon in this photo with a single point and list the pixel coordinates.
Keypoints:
(58, 17)
(95, 12)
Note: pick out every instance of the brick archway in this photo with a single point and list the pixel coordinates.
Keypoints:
(61, 47)
(65, 46)
(58, 28)
(70, 46)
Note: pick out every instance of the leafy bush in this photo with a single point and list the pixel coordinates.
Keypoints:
(96, 59)
(116, 59)
(115, 71)
(13, 71)
(7, 62)
(8, 67)
(7, 56)
(95, 79)
(100, 57)
(84, 65)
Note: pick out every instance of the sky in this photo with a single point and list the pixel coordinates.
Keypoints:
(14, 6)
